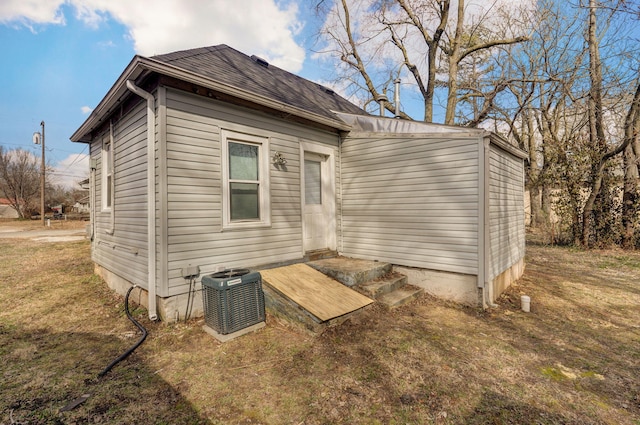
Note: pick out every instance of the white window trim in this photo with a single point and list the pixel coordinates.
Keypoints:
(110, 157)
(264, 193)
(106, 160)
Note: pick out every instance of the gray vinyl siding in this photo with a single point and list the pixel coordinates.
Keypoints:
(125, 251)
(194, 201)
(506, 210)
(412, 201)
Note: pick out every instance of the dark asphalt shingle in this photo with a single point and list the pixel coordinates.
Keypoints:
(226, 65)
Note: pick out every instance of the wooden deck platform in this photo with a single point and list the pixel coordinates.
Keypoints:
(318, 294)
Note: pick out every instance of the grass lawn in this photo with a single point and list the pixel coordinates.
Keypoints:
(575, 359)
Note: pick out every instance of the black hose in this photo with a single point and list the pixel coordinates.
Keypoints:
(136, 345)
(190, 297)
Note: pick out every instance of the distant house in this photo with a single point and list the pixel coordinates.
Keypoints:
(7, 210)
(82, 205)
(213, 158)
(84, 184)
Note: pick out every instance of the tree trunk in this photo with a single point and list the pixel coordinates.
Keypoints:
(433, 45)
(631, 194)
(454, 60)
(629, 197)
(596, 127)
(535, 203)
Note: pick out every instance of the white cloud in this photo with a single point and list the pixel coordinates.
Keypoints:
(262, 27)
(71, 170)
(252, 26)
(86, 110)
(90, 16)
(30, 12)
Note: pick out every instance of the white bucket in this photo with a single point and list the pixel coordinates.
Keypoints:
(525, 301)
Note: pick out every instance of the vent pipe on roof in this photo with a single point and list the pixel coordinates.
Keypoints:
(396, 96)
(381, 99)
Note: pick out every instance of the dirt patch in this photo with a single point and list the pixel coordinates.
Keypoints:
(574, 359)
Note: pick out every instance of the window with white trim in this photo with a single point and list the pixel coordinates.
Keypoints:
(245, 180)
(107, 173)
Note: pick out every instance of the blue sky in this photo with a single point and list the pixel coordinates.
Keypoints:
(60, 57)
(51, 75)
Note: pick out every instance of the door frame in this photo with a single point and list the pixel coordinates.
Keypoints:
(329, 191)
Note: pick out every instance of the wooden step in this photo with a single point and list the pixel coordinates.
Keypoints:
(384, 285)
(400, 296)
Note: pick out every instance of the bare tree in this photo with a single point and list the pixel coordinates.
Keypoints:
(565, 91)
(571, 109)
(603, 152)
(465, 41)
(20, 180)
(631, 198)
(416, 15)
(392, 36)
(542, 76)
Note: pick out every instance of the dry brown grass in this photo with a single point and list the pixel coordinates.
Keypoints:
(575, 359)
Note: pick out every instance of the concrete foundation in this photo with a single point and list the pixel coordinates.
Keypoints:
(501, 282)
(457, 287)
(170, 309)
(461, 288)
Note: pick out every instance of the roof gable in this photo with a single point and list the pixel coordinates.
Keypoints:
(228, 66)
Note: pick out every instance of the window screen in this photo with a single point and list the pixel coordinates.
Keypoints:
(312, 182)
(244, 184)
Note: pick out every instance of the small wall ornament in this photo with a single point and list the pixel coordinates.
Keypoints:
(279, 159)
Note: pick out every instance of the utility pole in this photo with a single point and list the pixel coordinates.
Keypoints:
(38, 139)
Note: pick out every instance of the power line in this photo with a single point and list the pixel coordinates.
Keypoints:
(77, 158)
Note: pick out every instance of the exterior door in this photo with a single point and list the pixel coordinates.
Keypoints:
(318, 200)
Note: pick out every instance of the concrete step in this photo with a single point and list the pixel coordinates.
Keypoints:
(400, 296)
(350, 271)
(383, 285)
(321, 254)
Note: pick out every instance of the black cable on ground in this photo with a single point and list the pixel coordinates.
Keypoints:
(191, 296)
(136, 345)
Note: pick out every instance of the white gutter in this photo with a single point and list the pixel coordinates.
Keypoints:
(151, 195)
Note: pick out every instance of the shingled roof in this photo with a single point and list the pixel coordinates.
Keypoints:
(228, 66)
(223, 69)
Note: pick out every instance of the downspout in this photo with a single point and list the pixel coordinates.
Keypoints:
(151, 194)
(340, 242)
(484, 237)
(112, 201)
(92, 196)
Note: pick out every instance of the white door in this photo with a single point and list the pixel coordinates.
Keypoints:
(318, 201)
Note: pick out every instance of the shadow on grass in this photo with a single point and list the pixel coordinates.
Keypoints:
(44, 371)
(495, 408)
